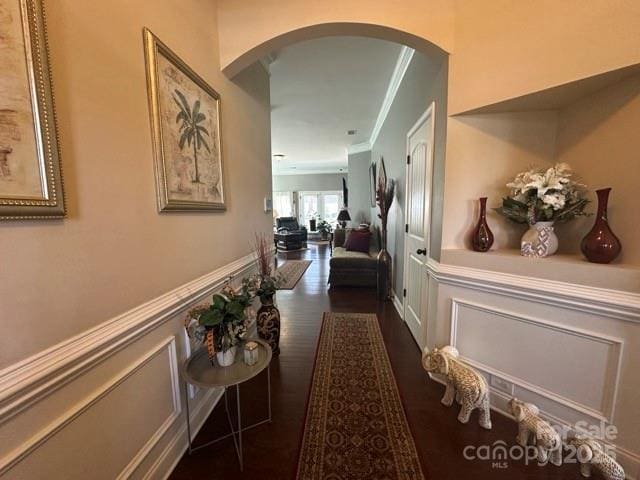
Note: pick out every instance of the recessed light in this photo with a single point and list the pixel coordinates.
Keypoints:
(351, 132)
(279, 156)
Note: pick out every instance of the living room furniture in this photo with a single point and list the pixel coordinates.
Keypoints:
(344, 217)
(355, 269)
(292, 234)
(197, 370)
(287, 241)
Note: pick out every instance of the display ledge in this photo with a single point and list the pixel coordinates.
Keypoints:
(573, 269)
(558, 96)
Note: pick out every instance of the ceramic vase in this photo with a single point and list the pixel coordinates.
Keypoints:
(268, 323)
(384, 270)
(209, 342)
(601, 245)
(482, 238)
(539, 241)
(226, 358)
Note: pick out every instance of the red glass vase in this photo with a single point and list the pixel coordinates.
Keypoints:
(482, 238)
(601, 245)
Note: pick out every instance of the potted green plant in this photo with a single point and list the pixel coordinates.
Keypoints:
(222, 324)
(325, 229)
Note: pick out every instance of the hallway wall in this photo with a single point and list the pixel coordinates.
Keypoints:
(310, 182)
(359, 188)
(112, 279)
(424, 82)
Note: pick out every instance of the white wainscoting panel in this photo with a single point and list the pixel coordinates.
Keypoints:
(130, 422)
(551, 357)
(82, 445)
(570, 349)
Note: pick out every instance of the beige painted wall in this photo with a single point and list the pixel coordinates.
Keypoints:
(598, 137)
(506, 48)
(243, 27)
(484, 152)
(114, 251)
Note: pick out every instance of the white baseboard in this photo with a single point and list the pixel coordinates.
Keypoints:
(629, 460)
(398, 304)
(177, 446)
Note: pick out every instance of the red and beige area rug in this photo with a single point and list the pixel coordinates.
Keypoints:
(292, 272)
(355, 427)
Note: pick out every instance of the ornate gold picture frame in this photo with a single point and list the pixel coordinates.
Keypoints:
(30, 175)
(185, 124)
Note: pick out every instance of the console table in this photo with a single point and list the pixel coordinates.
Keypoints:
(197, 370)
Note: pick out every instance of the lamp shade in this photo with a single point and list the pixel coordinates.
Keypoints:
(344, 216)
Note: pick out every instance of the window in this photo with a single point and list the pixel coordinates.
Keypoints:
(324, 205)
(282, 204)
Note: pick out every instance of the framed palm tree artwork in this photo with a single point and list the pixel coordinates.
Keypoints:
(185, 123)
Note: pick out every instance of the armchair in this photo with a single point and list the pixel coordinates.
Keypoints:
(289, 233)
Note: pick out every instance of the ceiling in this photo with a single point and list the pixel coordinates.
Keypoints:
(320, 89)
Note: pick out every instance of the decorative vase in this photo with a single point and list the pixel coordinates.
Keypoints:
(482, 238)
(601, 245)
(384, 270)
(209, 342)
(539, 241)
(312, 224)
(226, 358)
(268, 323)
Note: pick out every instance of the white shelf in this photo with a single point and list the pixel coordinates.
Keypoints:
(560, 267)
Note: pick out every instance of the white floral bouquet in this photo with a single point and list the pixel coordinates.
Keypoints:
(544, 195)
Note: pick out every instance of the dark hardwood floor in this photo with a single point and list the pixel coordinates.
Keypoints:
(271, 450)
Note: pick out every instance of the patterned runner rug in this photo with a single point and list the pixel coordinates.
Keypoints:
(292, 272)
(355, 426)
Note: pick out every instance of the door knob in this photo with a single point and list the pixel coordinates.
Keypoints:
(421, 251)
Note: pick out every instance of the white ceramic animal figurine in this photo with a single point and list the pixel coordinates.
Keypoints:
(535, 431)
(464, 384)
(590, 453)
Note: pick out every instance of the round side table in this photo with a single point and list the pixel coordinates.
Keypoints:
(197, 370)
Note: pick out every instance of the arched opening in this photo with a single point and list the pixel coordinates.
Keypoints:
(237, 64)
(415, 88)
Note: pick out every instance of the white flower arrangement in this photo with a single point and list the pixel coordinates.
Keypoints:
(544, 195)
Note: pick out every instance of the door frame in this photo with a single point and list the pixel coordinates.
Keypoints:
(430, 111)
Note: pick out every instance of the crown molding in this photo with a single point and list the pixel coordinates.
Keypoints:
(404, 59)
(402, 64)
(359, 148)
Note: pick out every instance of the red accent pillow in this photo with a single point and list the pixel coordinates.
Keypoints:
(358, 241)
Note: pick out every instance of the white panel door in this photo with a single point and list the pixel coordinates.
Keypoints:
(417, 217)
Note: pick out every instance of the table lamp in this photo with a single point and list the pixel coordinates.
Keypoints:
(343, 217)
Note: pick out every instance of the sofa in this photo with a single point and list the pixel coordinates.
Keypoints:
(354, 269)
